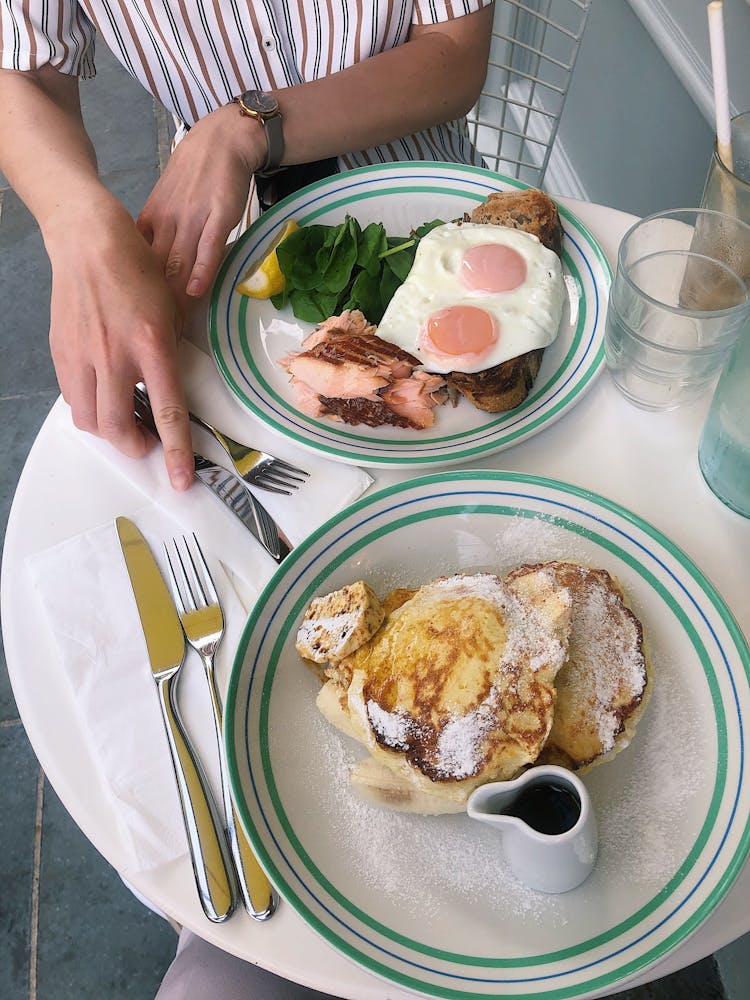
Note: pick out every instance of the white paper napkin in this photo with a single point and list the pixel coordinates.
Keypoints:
(88, 602)
(89, 605)
(328, 489)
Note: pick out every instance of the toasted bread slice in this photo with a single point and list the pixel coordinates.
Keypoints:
(532, 211)
(502, 387)
(505, 386)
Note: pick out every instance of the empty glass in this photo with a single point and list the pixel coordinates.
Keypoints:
(676, 306)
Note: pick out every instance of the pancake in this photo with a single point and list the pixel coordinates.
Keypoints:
(455, 689)
(603, 687)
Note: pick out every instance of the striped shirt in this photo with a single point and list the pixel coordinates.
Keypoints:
(195, 55)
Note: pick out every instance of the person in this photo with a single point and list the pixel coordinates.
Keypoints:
(361, 83)
(201, 971)
(365, 82)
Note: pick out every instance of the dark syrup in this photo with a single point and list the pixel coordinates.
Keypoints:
(546, 808)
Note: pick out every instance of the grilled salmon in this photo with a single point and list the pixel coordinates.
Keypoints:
(346, 372)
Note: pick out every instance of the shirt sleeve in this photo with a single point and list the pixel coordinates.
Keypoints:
(435, 11)
(36, 33)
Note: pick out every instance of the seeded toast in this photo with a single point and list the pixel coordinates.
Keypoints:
(505, 386)
(532, 211)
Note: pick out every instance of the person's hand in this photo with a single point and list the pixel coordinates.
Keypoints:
(200, 197)
(114, 322)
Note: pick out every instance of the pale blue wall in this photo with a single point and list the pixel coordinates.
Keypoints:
(634, 137)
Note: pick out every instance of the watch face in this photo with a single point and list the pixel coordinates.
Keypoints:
(266, 104)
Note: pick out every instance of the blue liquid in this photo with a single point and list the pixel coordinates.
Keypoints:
(724, 456)
(724, 450)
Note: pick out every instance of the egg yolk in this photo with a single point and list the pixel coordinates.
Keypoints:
(459, 330)
(491, 267)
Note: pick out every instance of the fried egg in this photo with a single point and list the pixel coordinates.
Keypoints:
(476, 296)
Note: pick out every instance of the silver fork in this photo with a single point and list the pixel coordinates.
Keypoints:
(203, 623)
(256, 468)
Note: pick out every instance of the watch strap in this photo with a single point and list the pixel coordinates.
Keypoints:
(271, 120)
(274, 129)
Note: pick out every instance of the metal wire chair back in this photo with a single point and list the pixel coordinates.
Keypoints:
(532, 56)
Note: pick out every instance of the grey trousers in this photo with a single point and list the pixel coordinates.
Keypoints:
(200, 971)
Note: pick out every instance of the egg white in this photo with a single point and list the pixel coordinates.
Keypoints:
(528, 316)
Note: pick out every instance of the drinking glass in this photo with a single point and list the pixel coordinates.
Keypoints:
(728, 190)
(724, 449)
(676, 306)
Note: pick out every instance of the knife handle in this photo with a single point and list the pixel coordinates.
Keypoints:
(255, 889)
(208, 848)
(257, 893)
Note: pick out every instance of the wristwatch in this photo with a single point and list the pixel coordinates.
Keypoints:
(264, 108)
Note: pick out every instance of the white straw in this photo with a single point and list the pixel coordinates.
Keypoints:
(721, 86)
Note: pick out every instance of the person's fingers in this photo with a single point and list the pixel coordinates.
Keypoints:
(162, 240)
(210, 250)
(115, 417)
(172, 422)
(176, 251)
(78, 388)
(145, 226)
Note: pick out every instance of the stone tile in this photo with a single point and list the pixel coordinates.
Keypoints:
(734, 966)
(25, 281)
(20, 420)
(8, 709)
(698, 982)
(19, 769)
(132, 187)
(95, 939)
(119, 116)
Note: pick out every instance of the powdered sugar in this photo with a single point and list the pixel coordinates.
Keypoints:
(334, 627)
(533, 628)
(460, 741)
(392, 727)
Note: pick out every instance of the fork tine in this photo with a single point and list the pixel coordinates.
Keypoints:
(282, 475)
(207, 578)
(280, 463)
(175, 587)
(191, 576)
(261, 482)
(269, 476)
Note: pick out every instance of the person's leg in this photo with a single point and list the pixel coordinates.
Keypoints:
(199, 971)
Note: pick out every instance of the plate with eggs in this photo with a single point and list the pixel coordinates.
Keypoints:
(490, 336)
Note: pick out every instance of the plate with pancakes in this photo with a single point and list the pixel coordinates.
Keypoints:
(252, 341)
(427, 901)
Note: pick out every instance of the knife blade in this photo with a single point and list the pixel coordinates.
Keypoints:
(235, 495)
(227, 487)
(165, 643)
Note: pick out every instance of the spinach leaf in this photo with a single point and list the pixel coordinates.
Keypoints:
(365, 295)
(337, 270)
(372, 244)
(297, 256)
(332, 268)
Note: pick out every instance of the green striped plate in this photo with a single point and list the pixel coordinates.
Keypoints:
(428, 902)
(402, 196)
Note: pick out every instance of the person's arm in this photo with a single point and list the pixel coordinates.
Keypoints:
(434, 77)
(113, 318)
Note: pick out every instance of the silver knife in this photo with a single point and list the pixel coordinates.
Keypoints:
(227, 487)
(234, 494)
(165, 642)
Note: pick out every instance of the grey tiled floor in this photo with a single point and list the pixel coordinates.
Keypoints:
(68, 927)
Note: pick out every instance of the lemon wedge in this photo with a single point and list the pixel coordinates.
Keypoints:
(264, 277)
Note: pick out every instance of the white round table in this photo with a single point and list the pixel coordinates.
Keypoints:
(646, 462)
